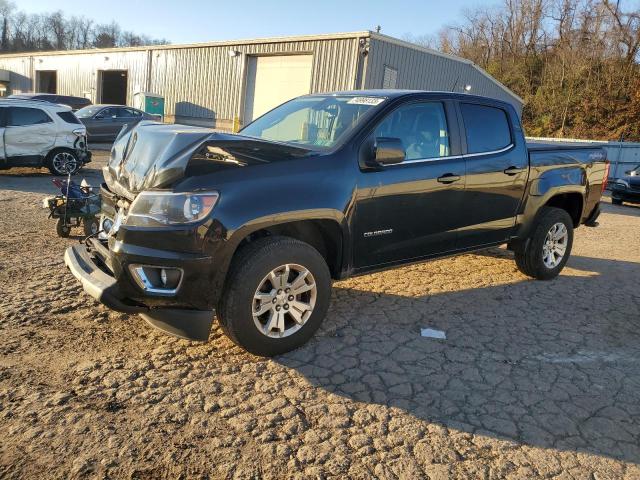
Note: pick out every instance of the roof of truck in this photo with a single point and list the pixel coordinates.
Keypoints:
(397, 93)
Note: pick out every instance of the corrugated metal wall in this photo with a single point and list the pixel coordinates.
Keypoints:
(19, 69)
(418, 69)
(201, 84)
(204, 84)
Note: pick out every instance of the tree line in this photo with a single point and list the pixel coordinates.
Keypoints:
(575, 63)
(24, 32)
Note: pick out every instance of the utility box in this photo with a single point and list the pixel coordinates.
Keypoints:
(150, 103)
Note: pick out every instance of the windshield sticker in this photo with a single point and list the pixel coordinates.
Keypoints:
(366, 100)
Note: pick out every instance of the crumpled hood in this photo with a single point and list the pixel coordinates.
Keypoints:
(154, 155)
(151, 155)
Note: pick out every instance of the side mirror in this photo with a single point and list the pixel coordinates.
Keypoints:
(389, 151)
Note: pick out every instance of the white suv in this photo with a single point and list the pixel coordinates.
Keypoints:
(40, 134)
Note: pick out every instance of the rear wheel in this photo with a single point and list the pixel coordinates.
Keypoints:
(63, 162)
(548, 249)
(276, 296)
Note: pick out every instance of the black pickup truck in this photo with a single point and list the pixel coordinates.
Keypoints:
(255, 225)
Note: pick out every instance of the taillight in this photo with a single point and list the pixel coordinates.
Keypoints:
(606, 175)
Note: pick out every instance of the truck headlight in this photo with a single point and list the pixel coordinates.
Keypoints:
(157, 208)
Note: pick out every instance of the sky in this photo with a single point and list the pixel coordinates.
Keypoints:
(191, 21)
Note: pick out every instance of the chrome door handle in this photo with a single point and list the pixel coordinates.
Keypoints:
(513, 170)
(449, 178)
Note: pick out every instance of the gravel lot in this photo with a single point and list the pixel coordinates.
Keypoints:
(534, 379)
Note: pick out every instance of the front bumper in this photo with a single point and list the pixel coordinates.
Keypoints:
(82, 150)
(98, 281)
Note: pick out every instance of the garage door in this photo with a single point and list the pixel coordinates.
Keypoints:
(274, 80)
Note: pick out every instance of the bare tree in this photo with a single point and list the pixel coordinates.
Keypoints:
(21, 32)
(574, 62)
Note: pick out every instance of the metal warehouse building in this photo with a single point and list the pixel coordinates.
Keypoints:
(226, 84)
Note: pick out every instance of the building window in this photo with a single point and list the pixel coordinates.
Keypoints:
(390, 79)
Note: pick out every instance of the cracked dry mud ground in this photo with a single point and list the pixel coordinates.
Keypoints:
(534, 380)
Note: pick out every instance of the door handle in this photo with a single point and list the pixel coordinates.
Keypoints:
(513, 170)
(449, 178)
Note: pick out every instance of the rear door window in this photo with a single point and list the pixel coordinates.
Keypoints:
(126, 113)
(487, 128)
(24, 116)
(68, 117)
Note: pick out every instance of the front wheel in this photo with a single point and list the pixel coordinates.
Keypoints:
(549, 247)
(276, 295)
(616, 201)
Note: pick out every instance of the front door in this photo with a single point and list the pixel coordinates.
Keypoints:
(412, 209)
(29, 135)
(496, 170)
(105, 125)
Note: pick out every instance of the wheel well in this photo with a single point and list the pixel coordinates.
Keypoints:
(571, 203)
(323, 235)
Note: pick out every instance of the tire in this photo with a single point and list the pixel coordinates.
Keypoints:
(62, 162)
(530, 259)
(616, 201)
(249, 272)
(63, 230)
(90, 226)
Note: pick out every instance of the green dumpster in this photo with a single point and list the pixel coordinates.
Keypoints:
(150, 103)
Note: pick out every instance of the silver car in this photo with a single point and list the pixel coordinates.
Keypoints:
(104, 122)
(35, 133)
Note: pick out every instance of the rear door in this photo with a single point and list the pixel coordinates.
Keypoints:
(29, 135)
(497, 164)
(412, 209)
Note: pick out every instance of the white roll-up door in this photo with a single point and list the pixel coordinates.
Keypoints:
(273, 80)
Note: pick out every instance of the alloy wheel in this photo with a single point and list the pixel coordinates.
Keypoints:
(555, 245)
(64, 162)
(284, 300)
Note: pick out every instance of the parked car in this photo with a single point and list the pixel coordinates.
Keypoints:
(75, 103)
(34, 133)
(627, 188)
(256, 225)
(104, 122)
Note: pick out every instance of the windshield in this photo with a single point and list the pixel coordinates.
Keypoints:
(87, 112)
(318, 121)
